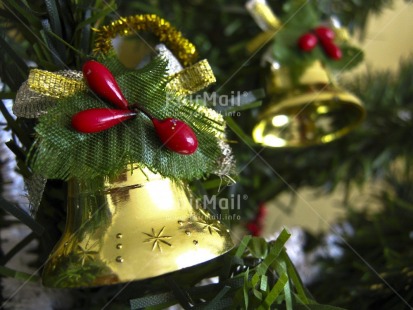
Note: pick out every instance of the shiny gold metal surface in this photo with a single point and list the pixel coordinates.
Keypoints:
(306, 112)
(135, 227)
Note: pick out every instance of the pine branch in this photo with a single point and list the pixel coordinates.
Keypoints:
(383, 239)
(55, 34)
(354, 14)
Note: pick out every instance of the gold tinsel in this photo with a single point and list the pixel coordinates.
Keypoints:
(184, 50)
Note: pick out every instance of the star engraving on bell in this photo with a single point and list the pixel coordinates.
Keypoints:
(210, 226)
(87, 252)
(207, 222)
(157, 239)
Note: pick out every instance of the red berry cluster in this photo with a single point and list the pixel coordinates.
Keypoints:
(326, 37)
(175, 134)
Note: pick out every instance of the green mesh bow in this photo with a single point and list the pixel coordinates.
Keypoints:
(60, 152)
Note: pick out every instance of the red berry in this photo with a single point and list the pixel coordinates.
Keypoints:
(324, 33)
(176, 135)
(262, 211)
(95, 120)
(307, 42)
(332, 50)
(102, 82)
(254, 229)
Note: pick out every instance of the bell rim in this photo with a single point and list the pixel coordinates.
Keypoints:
(46, 282)
(147, 226)
(303, 100)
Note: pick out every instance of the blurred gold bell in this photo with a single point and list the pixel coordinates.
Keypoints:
(311, 111)
(135, 227)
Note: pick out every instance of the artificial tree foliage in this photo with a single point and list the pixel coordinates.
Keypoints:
(55, 35)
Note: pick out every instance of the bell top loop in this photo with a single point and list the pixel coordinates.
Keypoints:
(184, 50)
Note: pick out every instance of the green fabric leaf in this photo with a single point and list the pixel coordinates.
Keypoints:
(352, 56)
(300, 13)
(60, 152)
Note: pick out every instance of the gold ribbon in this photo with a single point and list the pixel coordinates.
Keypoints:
(184, 50)
(56, 84)
(263, 15)
(192, 79)
(66, 83)
(265, 18)
(37, 94)
(33, 97)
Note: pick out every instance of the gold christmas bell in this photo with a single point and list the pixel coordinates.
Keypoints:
(315, 112)
(138, 226)
(303, 111)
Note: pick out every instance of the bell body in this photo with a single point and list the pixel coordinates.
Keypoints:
(135, 227)
(310, 111)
